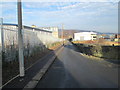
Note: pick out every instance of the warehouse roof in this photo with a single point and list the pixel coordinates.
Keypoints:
(26, 27)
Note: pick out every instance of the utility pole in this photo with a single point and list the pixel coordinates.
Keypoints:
(2, 35)
(3, 50)
(20, 39)
(63, 33)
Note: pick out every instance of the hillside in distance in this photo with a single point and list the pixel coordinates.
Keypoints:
(71, 31)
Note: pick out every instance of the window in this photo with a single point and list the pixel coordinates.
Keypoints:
(94, 37)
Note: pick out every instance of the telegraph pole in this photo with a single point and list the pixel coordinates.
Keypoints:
(63, 33)
(20, 39)
(2, 35)
(2, 53)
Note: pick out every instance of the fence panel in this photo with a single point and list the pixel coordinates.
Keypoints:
(35, 46)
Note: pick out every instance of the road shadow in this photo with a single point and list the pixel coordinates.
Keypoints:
(58, 77)
(20, 82)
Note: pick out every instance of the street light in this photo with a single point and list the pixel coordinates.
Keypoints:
(20, 39)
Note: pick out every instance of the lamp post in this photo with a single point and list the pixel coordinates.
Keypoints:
(20, 39)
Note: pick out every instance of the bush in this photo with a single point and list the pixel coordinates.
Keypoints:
(109, 52)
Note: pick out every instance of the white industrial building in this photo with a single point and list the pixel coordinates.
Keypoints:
(81, 36)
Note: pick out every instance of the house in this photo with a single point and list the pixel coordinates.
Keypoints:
(117, 38)
(81, 36)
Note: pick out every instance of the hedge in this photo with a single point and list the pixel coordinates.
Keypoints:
(109, 52)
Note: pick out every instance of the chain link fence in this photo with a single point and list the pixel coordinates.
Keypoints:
(36, 45)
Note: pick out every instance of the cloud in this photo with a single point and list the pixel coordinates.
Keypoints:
(63, 1)
(76, 15)
(0, 10)
(39, 4)
(78, 9)
(8, 5)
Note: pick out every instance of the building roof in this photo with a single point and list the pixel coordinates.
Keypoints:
(26, 27)
(85, 33)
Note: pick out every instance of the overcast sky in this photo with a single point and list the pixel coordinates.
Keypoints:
(97, 16)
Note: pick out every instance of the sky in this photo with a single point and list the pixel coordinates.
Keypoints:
(94, 16)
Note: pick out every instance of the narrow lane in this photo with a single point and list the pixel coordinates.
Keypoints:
(72, 70)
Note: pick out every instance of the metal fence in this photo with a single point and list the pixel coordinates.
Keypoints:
(32, 39)
(36, 43)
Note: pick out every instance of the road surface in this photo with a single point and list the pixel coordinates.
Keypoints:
(73, 70)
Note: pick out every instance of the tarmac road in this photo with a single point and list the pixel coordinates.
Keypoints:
(73, 70)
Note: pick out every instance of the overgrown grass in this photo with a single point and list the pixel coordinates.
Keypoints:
(108, 52)
(54, 45)
(10, 68)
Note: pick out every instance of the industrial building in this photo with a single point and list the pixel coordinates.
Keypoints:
(81, 36)
(54, 30)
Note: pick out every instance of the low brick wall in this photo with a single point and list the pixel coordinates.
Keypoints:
(108, 52)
